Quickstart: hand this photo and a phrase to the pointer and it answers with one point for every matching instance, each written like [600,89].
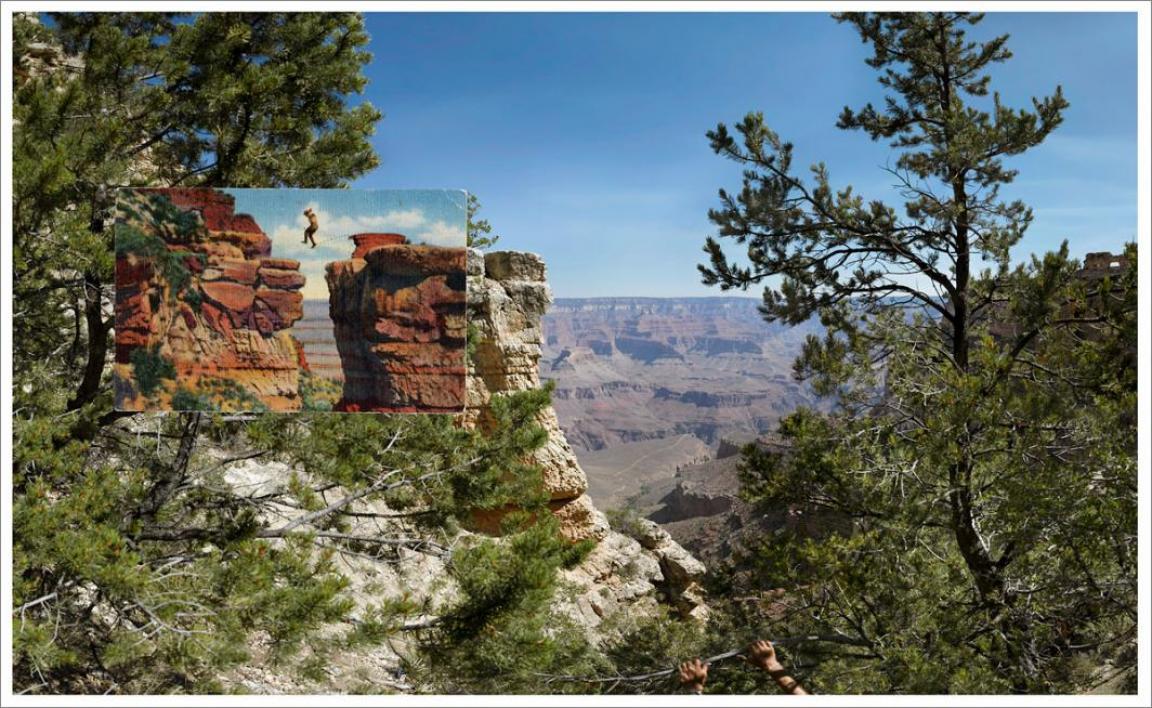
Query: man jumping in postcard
[313,225]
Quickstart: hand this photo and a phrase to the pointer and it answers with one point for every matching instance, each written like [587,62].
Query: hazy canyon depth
[647,385]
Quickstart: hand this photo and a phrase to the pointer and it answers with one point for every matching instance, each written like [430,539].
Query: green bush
[187,400]
[194,299]
[132,241]
[318,393]
[150,367]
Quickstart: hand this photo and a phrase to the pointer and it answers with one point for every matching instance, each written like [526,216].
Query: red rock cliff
[399,320]
[222,323]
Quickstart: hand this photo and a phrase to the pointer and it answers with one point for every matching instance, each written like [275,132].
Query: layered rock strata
[399,319]
[366,242]
[199,289]
[508,294]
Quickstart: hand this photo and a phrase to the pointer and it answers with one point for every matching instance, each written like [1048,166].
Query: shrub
[150,367]
[187,400]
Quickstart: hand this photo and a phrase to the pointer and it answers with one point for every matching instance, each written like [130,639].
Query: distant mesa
[639,369]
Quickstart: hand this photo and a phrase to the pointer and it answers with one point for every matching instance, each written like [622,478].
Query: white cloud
[403,219]
[441,233]
[338,228]
[333,244]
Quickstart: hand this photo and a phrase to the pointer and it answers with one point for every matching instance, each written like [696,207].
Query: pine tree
[972,493]
[479,230]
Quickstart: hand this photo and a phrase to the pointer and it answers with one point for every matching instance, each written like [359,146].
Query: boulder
[254,245]
[338,270]
[283,279]
[288,305]
[217,249]
[216,318]
[579,519]
[233,297]
[281,263]
[265,319]
[514,265]
[420,261]
[236,270]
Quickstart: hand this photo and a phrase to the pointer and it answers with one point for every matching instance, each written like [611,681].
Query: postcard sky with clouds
[433,217]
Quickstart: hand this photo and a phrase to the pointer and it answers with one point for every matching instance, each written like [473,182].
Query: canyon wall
[630,369]
[507,296]
[624,578]
[197,289]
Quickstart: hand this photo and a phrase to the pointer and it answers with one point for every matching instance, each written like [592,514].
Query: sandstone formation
[508,294]
[199,288]
[367,241]
[399,319]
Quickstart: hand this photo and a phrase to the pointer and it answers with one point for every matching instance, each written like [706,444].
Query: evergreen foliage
[968,507]
[479,230]
[149,367]
[967,511]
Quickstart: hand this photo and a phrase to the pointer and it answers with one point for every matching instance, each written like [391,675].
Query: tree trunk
[97,342]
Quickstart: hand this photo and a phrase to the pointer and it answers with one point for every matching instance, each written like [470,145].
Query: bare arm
[763,654]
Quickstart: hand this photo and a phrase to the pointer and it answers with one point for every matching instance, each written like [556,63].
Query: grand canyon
[649,386]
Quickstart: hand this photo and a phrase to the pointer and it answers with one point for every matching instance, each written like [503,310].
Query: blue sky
[583,134]
[432,216]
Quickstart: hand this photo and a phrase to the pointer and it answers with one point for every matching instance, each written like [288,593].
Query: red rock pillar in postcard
[399,316]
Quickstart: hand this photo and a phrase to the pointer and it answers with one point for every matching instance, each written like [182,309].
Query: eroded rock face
[399,319]
[624,578]
[682,572]
[223,325]
[507,296]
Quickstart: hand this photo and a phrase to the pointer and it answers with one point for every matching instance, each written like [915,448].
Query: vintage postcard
[290,300]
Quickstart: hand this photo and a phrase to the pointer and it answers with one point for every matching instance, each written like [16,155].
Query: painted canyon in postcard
[290,299]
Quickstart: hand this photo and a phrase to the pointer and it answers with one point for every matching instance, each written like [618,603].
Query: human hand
[693,674]
[763,655]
